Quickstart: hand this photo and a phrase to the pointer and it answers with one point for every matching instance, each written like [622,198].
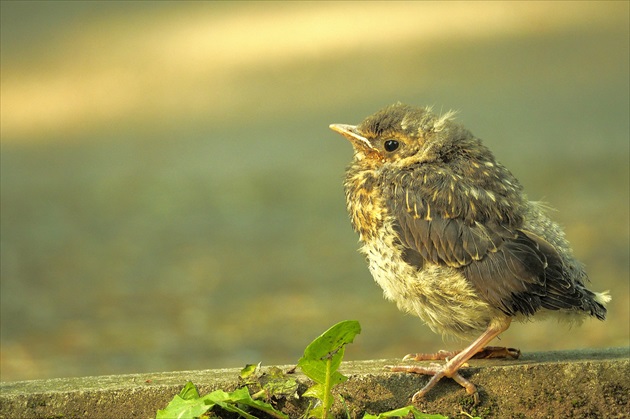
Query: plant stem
[327,389]
[258,395]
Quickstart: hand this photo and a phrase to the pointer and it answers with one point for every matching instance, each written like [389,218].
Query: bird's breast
[440,295]
[365,203]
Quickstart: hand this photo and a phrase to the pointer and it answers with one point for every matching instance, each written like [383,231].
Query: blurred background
[172,196]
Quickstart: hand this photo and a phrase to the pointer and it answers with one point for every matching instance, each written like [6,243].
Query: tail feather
[598,301]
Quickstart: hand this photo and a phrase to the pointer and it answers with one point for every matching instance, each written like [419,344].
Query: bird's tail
[596,303]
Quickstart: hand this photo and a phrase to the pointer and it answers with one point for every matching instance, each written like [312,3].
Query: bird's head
[400,134]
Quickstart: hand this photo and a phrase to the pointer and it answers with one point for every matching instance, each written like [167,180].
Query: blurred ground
[171,194]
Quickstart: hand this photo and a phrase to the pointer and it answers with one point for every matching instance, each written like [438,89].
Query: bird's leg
[450,369]
[486,352]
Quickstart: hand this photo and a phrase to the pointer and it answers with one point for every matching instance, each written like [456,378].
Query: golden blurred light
[199,61]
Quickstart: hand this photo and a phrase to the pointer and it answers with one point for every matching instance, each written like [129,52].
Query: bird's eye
[391,145]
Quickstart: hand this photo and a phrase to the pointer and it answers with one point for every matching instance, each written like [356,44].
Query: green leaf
[317,412]
[317,369]
[217,397]
[242,396]
[185,405]
[276,383]
[403,412]
[183,409]
[328,346]
[315,391]
[321,360]
[249,370]
[194,406]
[189,392]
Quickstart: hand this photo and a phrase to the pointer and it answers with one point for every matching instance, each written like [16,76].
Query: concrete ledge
[568,384]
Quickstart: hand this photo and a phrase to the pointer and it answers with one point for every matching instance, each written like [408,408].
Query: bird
[450,236]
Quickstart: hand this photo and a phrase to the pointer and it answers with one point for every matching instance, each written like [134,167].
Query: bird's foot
[487,352]
[437,372]
[451,367]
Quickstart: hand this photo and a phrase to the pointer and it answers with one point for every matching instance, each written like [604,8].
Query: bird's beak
[351,133]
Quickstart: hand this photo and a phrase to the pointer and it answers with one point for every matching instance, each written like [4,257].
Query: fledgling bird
[450,236]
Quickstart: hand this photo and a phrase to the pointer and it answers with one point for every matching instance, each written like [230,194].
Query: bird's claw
[468,386]
[437,372]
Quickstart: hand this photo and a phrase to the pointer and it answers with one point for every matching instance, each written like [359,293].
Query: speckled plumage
[448,232]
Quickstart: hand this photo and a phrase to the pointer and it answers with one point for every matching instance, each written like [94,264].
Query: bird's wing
[513,270]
